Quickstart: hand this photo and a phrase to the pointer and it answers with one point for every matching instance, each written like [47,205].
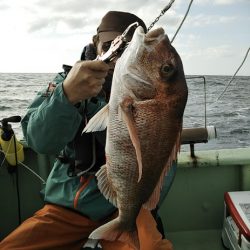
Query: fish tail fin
[112,231]
[130,238]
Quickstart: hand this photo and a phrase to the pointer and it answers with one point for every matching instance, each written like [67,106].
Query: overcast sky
[41,35]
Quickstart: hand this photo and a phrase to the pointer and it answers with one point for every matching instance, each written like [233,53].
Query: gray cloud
[221,2]
[229,2]
[39,25]
[4,6]
[85,16]
[202,19]
[74,6]
[82,15]
[52,22]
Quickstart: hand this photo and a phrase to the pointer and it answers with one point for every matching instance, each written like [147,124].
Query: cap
[114,23]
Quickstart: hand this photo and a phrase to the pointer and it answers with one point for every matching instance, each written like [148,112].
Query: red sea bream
[144,123]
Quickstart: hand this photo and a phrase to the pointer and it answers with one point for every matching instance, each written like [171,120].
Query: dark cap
[114,23]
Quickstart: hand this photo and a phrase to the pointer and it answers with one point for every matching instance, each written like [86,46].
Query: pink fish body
[144,123]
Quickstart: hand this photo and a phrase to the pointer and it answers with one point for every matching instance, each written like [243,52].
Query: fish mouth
[154,35]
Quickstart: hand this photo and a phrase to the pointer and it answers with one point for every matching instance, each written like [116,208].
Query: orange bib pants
[57,228]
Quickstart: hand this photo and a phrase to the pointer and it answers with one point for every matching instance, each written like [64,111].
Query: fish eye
[167,70]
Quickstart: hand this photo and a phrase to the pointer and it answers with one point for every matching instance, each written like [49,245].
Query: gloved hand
[85,80]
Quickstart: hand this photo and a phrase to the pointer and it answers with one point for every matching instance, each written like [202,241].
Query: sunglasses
[106,46]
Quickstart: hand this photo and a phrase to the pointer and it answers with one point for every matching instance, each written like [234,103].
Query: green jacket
[49,126]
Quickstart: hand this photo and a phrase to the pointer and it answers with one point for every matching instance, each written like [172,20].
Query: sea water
[230,115]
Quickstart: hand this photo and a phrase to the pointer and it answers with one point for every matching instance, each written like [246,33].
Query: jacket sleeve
[51,122]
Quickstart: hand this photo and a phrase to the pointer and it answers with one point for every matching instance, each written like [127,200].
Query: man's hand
[85,80]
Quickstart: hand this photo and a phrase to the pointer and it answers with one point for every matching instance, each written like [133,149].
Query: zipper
[84,183]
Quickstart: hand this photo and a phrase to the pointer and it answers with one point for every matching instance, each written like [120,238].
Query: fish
[144,118]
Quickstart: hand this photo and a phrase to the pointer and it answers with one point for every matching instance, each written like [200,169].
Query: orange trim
[85,182]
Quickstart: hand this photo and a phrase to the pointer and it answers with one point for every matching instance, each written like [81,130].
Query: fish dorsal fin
[155,197]
[105,186]
[99,121]
[127,115]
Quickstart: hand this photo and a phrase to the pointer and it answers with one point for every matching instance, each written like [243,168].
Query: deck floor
[196,240]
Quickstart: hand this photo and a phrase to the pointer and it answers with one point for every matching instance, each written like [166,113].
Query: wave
[3,108]
[230,115]
[240,131]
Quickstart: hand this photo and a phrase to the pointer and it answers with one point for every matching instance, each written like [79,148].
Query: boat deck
[202,240]
[192,214]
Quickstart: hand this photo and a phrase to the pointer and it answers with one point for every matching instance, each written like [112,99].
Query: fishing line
[33,172]
[17,183]
[17,176]
[4,158]
[232,78]
[163,12]
[1,151]
[29,169]
[189,6]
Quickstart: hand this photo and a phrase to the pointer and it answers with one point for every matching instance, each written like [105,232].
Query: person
[74,206]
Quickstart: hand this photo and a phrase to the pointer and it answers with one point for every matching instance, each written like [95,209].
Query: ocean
[230,115]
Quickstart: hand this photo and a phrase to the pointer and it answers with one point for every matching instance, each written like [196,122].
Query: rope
[33,172]
[4,154]
[232,78]
[189,6]
[29,169]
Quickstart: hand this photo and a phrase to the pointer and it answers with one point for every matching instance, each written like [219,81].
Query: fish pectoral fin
[105,185]
[127,115]
[99,121]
